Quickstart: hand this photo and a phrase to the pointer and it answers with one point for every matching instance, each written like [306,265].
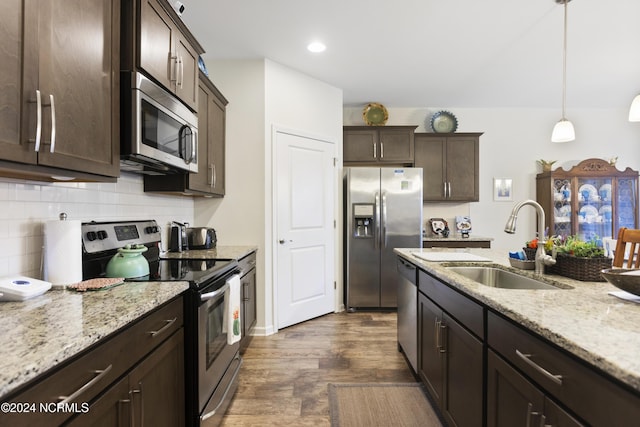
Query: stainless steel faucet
[542,258]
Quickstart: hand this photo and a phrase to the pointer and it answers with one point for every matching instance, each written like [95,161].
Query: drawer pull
[88,385]
[167,325]
[527,359]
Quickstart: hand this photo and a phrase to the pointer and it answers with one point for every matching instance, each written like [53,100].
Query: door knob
[283,241]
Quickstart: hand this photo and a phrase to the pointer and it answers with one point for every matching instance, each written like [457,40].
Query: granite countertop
[39,333]
[219,252]
[587,322]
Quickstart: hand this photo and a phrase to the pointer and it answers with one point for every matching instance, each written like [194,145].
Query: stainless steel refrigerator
[382,210]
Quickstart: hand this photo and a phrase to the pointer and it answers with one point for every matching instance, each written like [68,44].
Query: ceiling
[427,53]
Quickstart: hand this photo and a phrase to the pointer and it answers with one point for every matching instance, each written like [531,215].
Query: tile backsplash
[26,205]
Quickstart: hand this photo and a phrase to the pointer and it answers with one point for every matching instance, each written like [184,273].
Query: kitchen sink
[498,278]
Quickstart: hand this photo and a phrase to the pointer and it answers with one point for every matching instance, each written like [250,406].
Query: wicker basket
[579,268]
[530,253]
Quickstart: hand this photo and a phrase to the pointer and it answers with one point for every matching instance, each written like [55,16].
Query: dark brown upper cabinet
[367,145]
[156,41]
[450,164]
[59,80]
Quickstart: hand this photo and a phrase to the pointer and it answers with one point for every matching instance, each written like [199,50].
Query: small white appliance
[20,288]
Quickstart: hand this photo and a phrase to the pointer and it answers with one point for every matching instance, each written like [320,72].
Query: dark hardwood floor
[284,378]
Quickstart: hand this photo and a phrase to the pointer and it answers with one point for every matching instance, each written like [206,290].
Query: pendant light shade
[563,131]
[634,111]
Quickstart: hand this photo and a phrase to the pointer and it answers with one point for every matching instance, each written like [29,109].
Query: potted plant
[579,259]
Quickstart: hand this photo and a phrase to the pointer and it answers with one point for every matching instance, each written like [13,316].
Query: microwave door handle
[182,146]
[194,145]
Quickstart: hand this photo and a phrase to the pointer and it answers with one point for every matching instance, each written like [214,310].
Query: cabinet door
[112,409]
[396,145]
[360,146]
[511,399]
[187,70]
[201,181]
[79,71]
[16,20]
[462,168]
[248,302]
[463,375]
[217,143]
[430,358]
[430,155]
[156,44]
[157,385]
[557,417]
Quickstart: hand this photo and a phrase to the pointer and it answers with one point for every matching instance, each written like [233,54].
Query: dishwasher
[408,311]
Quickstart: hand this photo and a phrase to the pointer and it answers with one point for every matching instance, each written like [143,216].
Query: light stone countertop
[219,252]
[585,321]
[39,333]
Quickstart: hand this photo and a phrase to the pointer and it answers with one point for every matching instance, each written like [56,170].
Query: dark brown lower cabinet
[512,400]
[450,362]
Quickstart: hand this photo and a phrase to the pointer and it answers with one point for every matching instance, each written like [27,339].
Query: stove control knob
[102,234]
[151,229]
[91,236]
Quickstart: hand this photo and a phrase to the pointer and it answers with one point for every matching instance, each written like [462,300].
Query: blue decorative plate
[444,122]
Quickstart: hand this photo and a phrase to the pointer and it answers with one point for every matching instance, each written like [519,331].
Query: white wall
[263,95]
[26,205]
[513,140]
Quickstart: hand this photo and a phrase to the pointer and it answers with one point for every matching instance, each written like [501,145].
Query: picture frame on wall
[502,189]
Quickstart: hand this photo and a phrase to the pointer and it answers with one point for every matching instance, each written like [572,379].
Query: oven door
[215,355]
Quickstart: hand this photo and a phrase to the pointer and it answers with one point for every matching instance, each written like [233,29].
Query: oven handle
[211,295]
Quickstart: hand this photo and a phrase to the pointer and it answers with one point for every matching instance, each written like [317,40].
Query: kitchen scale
[20,288]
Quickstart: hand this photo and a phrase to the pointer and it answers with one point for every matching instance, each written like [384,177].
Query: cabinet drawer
[598,400]
[81,379]
[467,312]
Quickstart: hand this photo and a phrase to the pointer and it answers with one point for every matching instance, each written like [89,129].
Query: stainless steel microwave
[159,134]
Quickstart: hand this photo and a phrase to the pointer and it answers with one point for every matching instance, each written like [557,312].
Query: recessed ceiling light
[316,47]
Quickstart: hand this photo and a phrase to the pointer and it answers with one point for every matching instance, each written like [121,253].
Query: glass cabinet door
[562,212]
[626,203]
[594,208]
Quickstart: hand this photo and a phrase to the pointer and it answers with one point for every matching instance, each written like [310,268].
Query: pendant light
[634,111]
[563,130]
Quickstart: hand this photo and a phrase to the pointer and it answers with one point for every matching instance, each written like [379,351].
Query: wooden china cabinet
[591,200]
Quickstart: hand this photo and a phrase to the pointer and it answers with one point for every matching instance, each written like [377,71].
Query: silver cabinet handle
[210,177]
[53,125]
[121,404]
[38,120]
[134,392]
[174,70]
[443,330]
[436,332]
[381,150]
[527,359]
[215,175]
[88,385]
[167,325]
[444,189]
[449,187]
[375,151]
[180,71]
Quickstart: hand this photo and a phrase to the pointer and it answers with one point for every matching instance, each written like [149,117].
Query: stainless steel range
[211,364]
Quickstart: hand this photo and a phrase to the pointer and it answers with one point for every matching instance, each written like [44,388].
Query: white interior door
[304,284]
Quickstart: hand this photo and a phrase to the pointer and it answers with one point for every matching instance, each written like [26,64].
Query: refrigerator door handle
[383,221]
[376,237]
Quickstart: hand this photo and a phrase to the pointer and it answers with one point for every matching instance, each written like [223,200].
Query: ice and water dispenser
[363,220]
